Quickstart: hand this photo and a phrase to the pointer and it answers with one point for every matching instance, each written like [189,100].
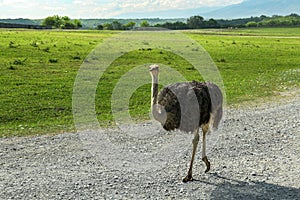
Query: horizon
[104,9]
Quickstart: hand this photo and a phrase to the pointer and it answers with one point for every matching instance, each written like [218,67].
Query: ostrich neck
[157,110]
[154,90]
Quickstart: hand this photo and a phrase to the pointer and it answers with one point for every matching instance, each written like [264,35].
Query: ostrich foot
[207,163]
[188,178]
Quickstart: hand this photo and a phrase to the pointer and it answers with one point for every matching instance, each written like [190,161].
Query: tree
[211,23]
[66,18]
[180,25]
[53,21]
[251,24]
[100,27]
[68,25]
[174,26]
[117,25]
[262,17]
[196,22]
[130,25]
[77,23]
[107,26]
[294,15]
[64,22]
[144,24]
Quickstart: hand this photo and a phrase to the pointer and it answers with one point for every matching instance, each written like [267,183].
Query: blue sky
[35,9]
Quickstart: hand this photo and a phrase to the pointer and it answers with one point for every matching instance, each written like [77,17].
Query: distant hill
[244,9]
[22,21]
[250,8]
[168,14]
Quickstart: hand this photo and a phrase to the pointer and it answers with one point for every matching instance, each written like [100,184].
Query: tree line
[198,22]
[275,21]
[194,22]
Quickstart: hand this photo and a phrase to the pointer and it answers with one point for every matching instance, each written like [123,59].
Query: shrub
[76,57]
[47,49]
[53,60]
[251,24]
[12,45]
[19,62]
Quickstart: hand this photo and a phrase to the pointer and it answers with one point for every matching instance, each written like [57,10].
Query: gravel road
[255,156]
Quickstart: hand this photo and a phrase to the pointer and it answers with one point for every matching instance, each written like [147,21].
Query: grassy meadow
[38,70]
[277,32]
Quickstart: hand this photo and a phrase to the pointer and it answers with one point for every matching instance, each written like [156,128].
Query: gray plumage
[188,105]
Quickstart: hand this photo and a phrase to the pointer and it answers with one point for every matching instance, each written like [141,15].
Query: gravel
[256,155]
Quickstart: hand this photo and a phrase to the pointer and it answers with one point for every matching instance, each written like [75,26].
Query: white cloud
[96,8]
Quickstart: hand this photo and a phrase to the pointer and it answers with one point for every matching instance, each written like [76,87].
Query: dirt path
[256,156]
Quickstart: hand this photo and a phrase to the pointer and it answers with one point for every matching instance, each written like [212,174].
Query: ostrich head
[154,69]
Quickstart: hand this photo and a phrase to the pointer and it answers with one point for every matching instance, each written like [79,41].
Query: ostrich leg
[204,157]
[189,177]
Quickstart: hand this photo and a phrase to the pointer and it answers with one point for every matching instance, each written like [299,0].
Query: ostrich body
[187,106]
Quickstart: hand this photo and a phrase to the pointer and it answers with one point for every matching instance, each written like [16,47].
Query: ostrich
[187,106]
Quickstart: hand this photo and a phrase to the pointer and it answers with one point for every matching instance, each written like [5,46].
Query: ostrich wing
[187,105]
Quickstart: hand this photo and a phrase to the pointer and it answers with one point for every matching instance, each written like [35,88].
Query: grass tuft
[53,60]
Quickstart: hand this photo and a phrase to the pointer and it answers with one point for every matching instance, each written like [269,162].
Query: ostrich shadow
[236,189]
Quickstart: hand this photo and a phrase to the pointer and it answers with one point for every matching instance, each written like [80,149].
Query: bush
[144,24]
[19,62]
[53,60]
[12,45]
[251,24]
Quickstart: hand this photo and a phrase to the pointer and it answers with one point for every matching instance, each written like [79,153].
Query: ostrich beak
[153,67]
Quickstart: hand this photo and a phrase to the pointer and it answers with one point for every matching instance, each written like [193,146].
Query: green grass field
[38,70]
[289,32]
